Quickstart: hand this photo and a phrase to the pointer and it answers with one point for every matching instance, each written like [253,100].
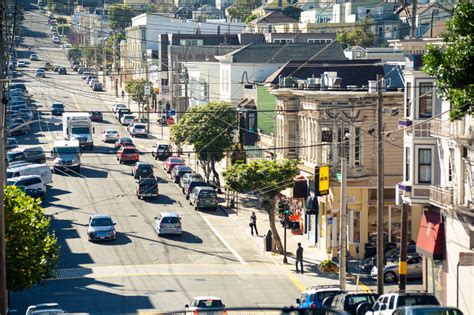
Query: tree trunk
[271,215]
[217,180]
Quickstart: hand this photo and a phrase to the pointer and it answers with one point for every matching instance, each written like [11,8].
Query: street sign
[339,177]
[171,112]
[329,220]
[147,90]
[466,259]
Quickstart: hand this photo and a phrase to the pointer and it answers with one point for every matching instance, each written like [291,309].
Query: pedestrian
[123,94]
[253,223]
[299,258]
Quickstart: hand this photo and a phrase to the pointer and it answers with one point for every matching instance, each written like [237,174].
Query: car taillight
[195,312]
[225,312]
[312,305]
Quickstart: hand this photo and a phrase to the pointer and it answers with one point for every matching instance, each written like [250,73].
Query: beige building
[311,120]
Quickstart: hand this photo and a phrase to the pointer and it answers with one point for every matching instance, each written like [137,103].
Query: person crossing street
[299,258]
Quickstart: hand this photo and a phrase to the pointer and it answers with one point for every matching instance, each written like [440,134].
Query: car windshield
[163,147]
[408,300]
[207,194]
[322,295]
[80,130]
[170,220]
[130,151]
[176,161]
[11,182]
[66,150]
[101,222]
[356,299]
[96,113]
[16,156]
[125,140]
[10,174]
[128,117]
[58,106]
[145,168]
[112,132]
[139,127]
[434,311]
[184,169]
[209,303]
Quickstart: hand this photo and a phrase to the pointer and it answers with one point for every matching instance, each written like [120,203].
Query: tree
[359,35]
[210,130]
[243,8]
[451,63]
[136,89]
[266,178]
[120,16]
[31,249]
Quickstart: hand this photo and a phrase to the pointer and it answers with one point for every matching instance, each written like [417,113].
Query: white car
[207,304]
[34,57]
[127,119]
[110,135]
[45,309]
[56,40]
[115,107]
[168,223]
[21,64]
[40,73]
[33,182]
[92,82]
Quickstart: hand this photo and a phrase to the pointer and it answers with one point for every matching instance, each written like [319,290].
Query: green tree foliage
[120,16]
[250,18]
[210,130]
[359,35]
[243,8]
[115,39]
[61,6]
[74,53]
[64,29]
[452,62]
[136,89]
[32,250]
[266,178]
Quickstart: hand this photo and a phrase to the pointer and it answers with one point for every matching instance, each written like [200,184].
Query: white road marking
[219,236]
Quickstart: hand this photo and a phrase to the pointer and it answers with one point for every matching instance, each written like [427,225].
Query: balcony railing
[441,196]
[422,130]
[451,129]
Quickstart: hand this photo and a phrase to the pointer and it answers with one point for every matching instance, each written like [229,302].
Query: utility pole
[380,187]
[3,257]
[343,213]
[147,83]
[402,265]
[104,53]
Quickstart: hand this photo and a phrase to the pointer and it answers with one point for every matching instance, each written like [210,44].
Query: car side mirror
[298,301]
[186,306]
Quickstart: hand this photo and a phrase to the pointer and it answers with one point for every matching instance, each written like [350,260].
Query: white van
[41,170]
[32,182]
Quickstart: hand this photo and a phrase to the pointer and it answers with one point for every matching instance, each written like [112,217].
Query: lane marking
[222,239]
[297,282]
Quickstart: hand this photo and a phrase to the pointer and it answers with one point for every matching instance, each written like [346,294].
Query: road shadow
[27,32]
[219,212]
[186,237]
[92,173]
[120,239]
[161,200]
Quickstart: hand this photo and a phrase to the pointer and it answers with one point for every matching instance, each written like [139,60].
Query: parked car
[41,170]
[137,129]
[387,303]
[188,188]
[185,178]
[76,67]
[142,169]
[47,66]
[147,187]
[116,106]
[171,162]
[56,68]
[96,116]
[127,154]
[178,171]
[34,57]
[18,128]
[57,109]
[11,144]
[81,70]
[348,303]
[45,309]
[162,152]
[127,119]
[62,70]
[20,64]
[97,86]
[314,296]
[110,135]
[391,255]
[427,310]
[29,182]
[168,223]
[124,141]
[391,272]
[85,74]
[203,197]
[40,73]
[207,305]
[56,40]
[101,228]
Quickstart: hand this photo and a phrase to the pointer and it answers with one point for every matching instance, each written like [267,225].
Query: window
[358,54]
[357,141]
[424,166]
[408,99]
[191,42]
[283,41]
[450,165]
[425,104]
[341,138]
[380,32]
[143,35]
[407,163]
[384,303]
[319,41]
[391,304]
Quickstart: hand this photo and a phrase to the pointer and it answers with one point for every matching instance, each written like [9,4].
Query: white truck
[78,126]
[66,156]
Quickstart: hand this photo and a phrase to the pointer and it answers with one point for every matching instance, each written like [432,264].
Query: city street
[139,270]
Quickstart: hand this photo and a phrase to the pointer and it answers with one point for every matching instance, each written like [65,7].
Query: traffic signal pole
[285,259]
[343,234]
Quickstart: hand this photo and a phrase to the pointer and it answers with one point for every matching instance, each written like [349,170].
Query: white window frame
[417,159]
[282,40]
[417,94]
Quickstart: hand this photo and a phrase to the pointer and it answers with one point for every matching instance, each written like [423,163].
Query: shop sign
[321,174]
[329,220]
[466,259]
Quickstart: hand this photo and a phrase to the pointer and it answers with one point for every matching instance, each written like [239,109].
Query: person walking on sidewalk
[123,94]
[253,223]
[299,258]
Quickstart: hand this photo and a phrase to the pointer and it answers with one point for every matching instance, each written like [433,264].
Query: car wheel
[390,277]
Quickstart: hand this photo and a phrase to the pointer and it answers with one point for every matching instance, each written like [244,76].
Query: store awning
[431,242]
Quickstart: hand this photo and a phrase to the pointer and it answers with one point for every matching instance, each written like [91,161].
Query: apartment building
[317,105]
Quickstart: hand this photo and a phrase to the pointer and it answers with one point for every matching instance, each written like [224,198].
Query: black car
[178,171]
[57,109]
[147,187]
[390,256]
[142,170]
[121,112]
[348,303]
[162,152]
[62,70]
[96,116]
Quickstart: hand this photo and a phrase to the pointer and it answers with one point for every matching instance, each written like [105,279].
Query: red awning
[431,242]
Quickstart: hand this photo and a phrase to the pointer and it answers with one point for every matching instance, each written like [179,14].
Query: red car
[171,162]
[127,154]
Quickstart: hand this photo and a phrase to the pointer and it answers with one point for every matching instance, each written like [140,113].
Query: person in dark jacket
[253,223]
[299,258]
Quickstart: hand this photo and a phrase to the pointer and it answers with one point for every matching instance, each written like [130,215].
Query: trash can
[267,238]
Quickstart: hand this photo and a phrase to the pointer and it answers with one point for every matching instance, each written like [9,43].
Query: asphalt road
[139,270]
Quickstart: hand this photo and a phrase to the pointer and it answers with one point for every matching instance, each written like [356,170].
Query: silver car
[391,272]
[101,227]
[186,178]
[168,223]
